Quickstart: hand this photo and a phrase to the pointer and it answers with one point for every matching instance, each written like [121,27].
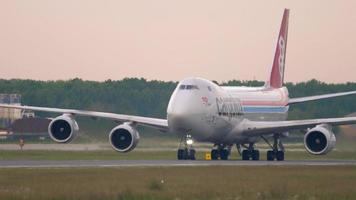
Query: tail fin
[277,71]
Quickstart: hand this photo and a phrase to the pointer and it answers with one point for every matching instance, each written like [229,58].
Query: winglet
[277,71]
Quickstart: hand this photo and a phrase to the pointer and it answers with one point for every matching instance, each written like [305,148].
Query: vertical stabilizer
[277,72]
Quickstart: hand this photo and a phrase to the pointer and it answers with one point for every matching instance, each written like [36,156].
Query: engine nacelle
[63,129]
[124,138]
[319,140]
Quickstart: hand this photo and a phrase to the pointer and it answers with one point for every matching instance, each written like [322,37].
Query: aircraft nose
[186,104]
[182,109]
[182,113]
[179,123]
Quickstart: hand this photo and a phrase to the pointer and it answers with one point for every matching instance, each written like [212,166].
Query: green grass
[272,182]
[84,155]
[150,155]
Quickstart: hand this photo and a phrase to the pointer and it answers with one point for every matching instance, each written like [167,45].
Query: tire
[185,154]
[214,154]
[224,154]
[255,155]
[192,154]
[270,155]
[280,155]
[180,154]
[245,155]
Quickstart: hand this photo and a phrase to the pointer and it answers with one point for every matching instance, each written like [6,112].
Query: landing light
[190,141]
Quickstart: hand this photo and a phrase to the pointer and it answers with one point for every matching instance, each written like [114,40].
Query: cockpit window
[192,87]
[188,87]
[182,87]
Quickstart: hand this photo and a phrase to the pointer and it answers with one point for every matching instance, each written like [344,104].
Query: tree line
[136,96]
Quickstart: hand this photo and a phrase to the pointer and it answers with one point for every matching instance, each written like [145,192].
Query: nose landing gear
[185,149]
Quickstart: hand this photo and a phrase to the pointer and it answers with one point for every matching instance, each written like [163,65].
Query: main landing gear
[186,150]
[220,151]
[277,152]
[250,153]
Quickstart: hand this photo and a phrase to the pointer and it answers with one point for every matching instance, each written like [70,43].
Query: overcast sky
[170,40]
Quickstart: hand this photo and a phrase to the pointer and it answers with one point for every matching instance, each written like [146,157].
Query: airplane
[225,116]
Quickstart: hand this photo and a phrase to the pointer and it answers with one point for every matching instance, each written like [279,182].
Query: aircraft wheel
[280,155]
[270,155]
[255,155]
[214,154]
[224,154]
[180,154]
[245,155]
[192,154]
[186,154]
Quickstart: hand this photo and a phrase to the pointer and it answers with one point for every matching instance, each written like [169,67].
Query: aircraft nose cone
[179,123]
[182,111]
[182,115]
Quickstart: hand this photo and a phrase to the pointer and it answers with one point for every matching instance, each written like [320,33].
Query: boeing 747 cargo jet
[224,116]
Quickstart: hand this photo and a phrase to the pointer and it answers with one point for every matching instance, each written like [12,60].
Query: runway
[164,163]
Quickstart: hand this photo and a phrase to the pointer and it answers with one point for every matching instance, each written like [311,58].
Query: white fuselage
[210,113]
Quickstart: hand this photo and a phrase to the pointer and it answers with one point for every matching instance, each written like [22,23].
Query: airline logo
[205,101]
[281,59]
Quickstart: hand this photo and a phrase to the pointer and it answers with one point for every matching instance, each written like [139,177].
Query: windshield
[188,87]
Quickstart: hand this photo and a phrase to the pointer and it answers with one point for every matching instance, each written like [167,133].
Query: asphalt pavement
[164,163]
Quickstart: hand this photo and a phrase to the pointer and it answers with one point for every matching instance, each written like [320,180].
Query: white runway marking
[164,163]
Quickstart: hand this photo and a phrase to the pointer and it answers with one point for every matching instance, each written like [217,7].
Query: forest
[150,98]
[138,96]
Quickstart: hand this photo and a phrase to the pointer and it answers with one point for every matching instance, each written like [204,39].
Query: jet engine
[63,129]
[124,138]
[319,140]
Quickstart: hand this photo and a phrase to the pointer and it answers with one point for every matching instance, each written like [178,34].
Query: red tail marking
[277,72]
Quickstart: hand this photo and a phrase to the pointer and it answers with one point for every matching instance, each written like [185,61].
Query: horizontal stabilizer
[318,97]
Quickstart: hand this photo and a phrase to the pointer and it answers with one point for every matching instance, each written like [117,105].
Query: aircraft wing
[160,124]
[317,97]
[268,127]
